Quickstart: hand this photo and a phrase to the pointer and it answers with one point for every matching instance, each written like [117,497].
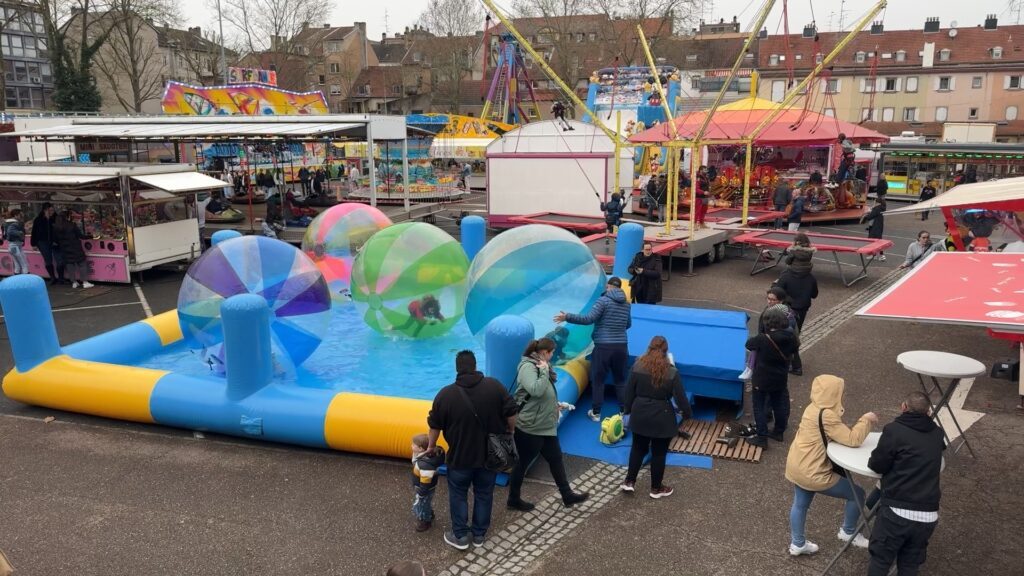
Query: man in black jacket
[44,240]
[802,287]
[909,458]
[466,412]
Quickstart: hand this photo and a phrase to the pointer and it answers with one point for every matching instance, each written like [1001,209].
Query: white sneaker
[858,539]
[592,416]
[808,548]
[881,258]
[746,374]
[87,284]
[75,284]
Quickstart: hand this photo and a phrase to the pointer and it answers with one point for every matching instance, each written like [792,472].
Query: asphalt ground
[83,495]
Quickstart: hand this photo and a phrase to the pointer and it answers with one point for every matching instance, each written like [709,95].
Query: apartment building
[28,77]
[331,58]
[908,80]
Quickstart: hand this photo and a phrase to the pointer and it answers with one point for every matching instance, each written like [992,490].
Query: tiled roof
[703,54]
[970,46]
[381,79]
[312,36]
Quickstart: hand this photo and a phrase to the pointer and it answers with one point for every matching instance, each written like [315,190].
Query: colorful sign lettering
[242,99]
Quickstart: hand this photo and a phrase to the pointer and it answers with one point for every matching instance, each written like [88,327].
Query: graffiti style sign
[247,100]
[251,75]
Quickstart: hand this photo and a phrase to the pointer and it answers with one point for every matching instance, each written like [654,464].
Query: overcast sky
[395,15]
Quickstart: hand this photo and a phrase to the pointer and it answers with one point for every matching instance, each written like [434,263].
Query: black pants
[46,251]
[658,448]
[896,539]
[796,363]
[529,446]
[608,357]
[778,402]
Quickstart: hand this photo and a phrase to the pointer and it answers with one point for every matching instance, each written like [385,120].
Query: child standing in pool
[424,481]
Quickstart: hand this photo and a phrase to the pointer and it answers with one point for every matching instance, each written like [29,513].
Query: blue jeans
[459,482]
[17,250]
[423,504]
[802,501]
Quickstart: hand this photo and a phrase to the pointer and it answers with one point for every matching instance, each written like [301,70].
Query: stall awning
[195,130]
[1005,194]
[181,181]
[50,179]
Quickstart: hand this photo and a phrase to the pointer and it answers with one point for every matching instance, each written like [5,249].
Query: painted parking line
[143,301]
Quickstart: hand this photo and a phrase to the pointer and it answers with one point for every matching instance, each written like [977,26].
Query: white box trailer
[540,167]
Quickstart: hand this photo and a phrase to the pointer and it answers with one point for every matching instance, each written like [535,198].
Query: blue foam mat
[579,436]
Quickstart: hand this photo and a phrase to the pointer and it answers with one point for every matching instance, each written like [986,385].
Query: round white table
[936,365]
[855,461]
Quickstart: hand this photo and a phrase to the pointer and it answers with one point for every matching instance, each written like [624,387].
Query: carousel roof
[735,121]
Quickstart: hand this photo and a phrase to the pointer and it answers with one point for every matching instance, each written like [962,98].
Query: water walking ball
[410,279]
[334,238]
[293,286]
[535,271]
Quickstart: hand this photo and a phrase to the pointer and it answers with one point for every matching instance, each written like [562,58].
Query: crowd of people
[57,238]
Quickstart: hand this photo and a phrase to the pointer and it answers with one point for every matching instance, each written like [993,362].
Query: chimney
[991,22]
[876,28]
[197,31]
[383,37]
[363,58]
[733,19]
[931,24]
[809,31]
[763,33]
[326,25]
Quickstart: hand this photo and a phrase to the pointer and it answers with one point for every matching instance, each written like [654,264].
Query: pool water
[355,358]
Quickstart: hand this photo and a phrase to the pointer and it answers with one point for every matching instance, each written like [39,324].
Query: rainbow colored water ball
[293,286]
[410,279]
[535,271]
[334,238]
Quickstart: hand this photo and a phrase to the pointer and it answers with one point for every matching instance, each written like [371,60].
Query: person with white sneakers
[810,470]
[69,237]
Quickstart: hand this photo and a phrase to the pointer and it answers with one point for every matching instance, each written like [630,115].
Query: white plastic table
[942,365]
[854,461]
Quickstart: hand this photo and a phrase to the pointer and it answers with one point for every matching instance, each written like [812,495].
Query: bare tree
[132,62]
[200,57]
[452,45]
[659,18]
[73,49]
[272,28]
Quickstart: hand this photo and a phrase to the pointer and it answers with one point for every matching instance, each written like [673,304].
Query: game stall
[136,216]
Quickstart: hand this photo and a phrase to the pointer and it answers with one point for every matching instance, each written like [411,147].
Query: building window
[912,84]
[830,112]
[335,89]
[886,55]
[945,84]
[592,36]
[910,114]
[773,60]
[941,113]
[798,57]
[335,68]
[859,57]
[691,57]
[531,111]
[865,113]
[321,79]
[890,84]
[944,54]
[579,36]
[1011,112]
[417,57]
[1012,82]
[888,114]
[901,55]
[832,86]
[396,89]
[867,85]
[817,58]
[972,114]
[997,53]
[976,82]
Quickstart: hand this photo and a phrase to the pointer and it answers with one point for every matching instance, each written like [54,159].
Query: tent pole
[405,172]
[373,167]
[746,183]
[618,150]
[694,165]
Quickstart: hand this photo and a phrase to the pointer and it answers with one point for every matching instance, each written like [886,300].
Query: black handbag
[501,447]
[836,468]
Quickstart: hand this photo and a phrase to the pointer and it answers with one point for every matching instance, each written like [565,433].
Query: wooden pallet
[703,434]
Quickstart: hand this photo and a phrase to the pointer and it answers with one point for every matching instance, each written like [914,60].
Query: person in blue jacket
[610,316]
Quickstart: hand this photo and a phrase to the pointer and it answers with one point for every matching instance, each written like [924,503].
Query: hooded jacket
[537,399]
[453,416]
[807,465]
[801,256]
[14,231]
[909,458]
[610,317]
[800,285]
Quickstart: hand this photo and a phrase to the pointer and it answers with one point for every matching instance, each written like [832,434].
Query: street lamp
[223,58]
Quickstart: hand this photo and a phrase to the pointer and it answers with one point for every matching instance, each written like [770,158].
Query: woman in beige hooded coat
[809,468]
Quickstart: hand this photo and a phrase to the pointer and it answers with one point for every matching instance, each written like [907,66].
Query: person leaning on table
[810,470]
[909,458]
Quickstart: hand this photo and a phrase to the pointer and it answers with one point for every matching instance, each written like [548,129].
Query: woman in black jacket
[651,386]
[69,237]
[877,218]
[645,285]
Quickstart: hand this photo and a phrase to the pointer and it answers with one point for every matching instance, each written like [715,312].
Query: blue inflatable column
[630,240]
[246,319]
[505,338]
[29,321]
[474,231]
[222,235]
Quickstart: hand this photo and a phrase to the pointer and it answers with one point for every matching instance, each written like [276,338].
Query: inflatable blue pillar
[246,319]
[29,321]
[222,235]
[474,231]
[505,338]
[630,240]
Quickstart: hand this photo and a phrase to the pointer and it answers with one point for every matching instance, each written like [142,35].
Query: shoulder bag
[501,447]
[836,468]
